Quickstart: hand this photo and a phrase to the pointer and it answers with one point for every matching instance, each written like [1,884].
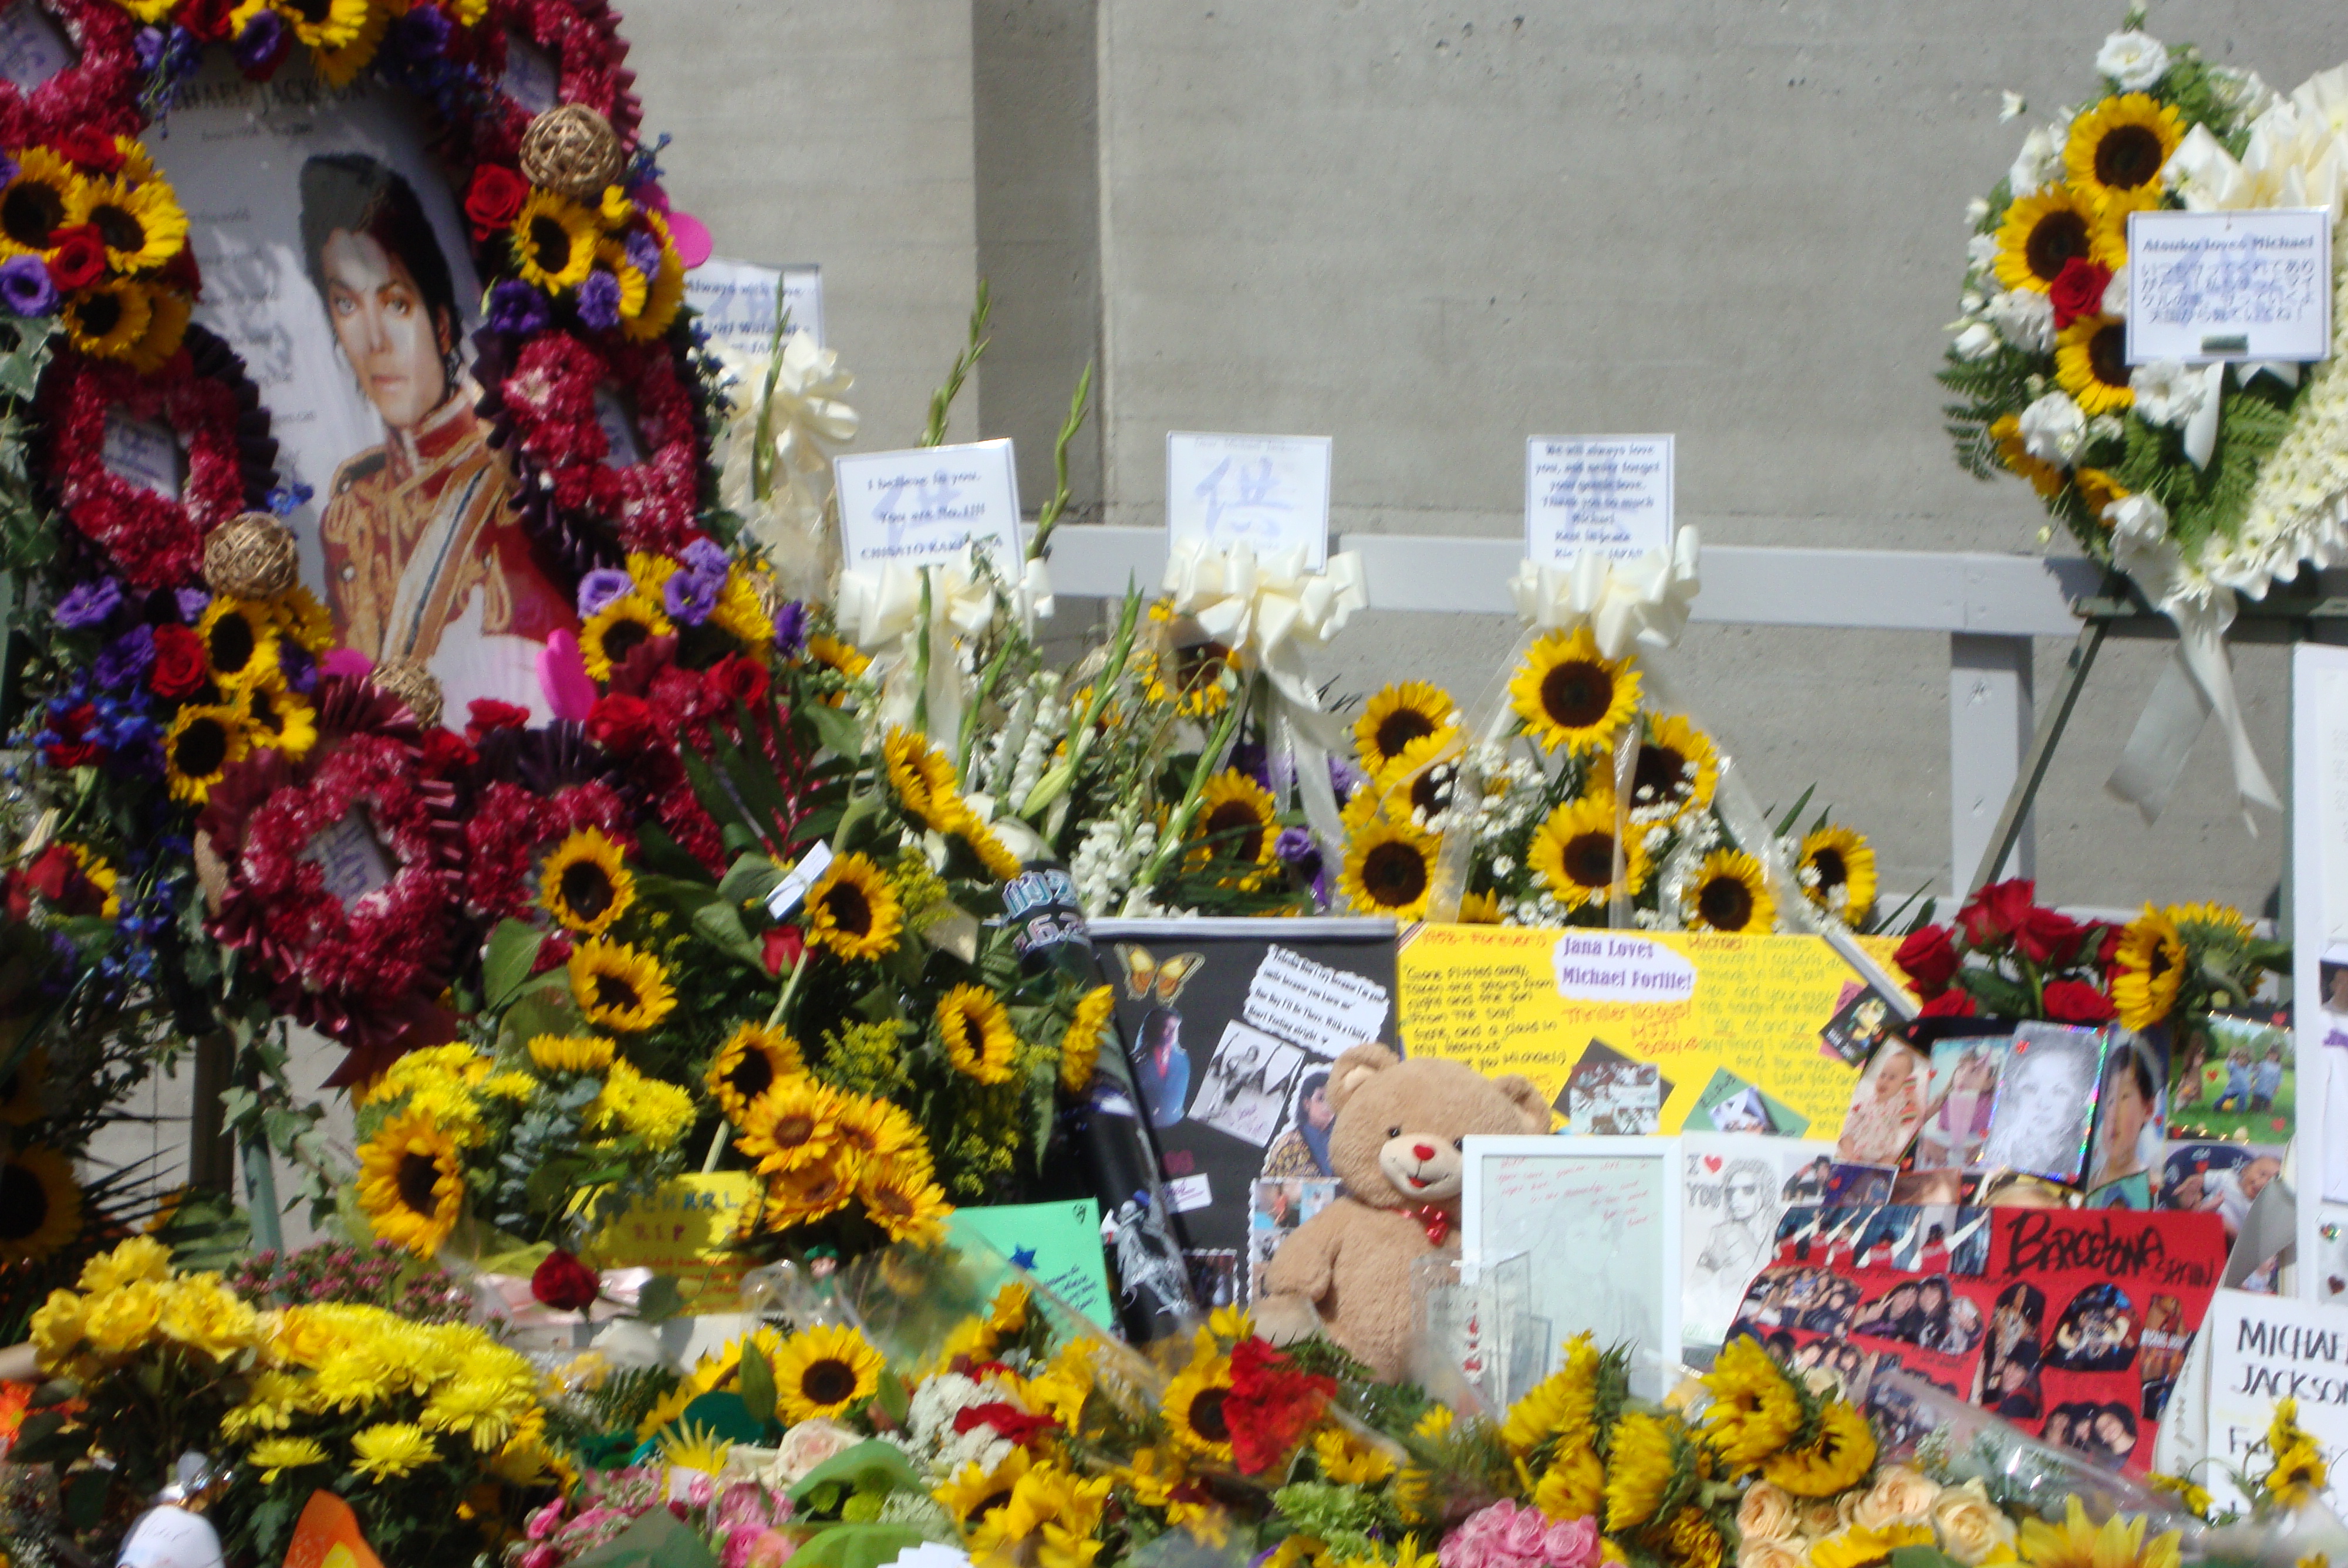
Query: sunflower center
[586,888]
[232,644]
[1659,775]
[1394,874]
[263,711]
[2054,239]
[1576,695]
[1830,867]
[623,638]
[830,1381]
[1725,904]
[99,315]
[549,245]
[2161,963]
[1238,819]
[201,748]
[753,1076]
[1207,1415]
[2128,156]
[615,994]
[30,213]
[1589,860]
[891,1201]
[419,1174]
[1431,792]
[314,11]
[790,1131]
[24,1203]
[850,910]
[1401,727]
[121,230]
[989,1503]
[2108,354]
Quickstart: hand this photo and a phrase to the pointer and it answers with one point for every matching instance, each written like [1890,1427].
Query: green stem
[1055,782]
[1209,758]
[941,401]
[1050,515]
[921,662]
[762,477]
[987,682]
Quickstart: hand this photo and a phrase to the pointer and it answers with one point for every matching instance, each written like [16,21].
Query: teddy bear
[1395,1143]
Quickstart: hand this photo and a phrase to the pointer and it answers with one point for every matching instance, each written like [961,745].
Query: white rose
[2133,60]
[1752,1553]
[808,1445]
[2052,429]
[1901,1495]
[2166,393]
[1978,340]
[2137,521]
[2040,160]
[1971,1527]
[1766,1513]
[2025,318]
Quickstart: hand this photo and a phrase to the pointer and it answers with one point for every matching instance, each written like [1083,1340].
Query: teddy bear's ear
[1354,1068]
[1519,1087]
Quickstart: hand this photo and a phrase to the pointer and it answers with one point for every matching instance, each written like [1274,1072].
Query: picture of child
[1885,1108]
[1964,1071]
[2235,1082]
[2046,1102]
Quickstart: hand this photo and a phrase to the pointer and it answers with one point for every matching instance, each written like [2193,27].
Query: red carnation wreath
[582,39]
[549,397]
[511,827]
[99,91]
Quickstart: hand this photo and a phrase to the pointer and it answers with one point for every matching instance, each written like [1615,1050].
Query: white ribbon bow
[773,468]
[1640,603]
[881,614]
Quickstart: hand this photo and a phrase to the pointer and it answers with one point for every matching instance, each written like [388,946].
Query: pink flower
[740,1541]
[1507,1535]
[544,1521]
[771,1550]
[542,1555]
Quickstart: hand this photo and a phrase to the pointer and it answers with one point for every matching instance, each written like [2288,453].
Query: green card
[1058,1243]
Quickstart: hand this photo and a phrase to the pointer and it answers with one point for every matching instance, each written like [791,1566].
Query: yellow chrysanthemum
[692,1445]
[140,1258]
[852,911]
[106,320]
[2006,434]
[553,242]
[976,1032]
[1574,852]
[651,1108]
[2091,365]
[586,884]
[1237,825]
[793,1124]
[900,1196]
[570,1052]
[1831,1462]
[204,741]
[1675,773]
[1568,694]
[1080,1046]
[664,291]
[754,1059]
[2148,969]
[2042,231]
[36,203]
[2115,150]
[1837,871]
[2077,1543]
[1854,1547]
[1730,893]
[389,1449]
[1646,1456]
[1193,1406]
[276,718]
[619,986]
[1389,870]
[617,629]
[1404,711]
[201,1314]
[924,779]
[821,1371]
[273,1457]
[1755,1410]
[40,1204]
[141,226]
[411,1186]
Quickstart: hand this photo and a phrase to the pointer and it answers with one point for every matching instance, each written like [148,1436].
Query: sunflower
[1563,1404]
[2298,1472]
[1854,1547]
[1416,783]
[411,1187]
[619,629]
[2098,489]
[1238,825]
[977,1033]
[754,1059]
[991,852]
[1755,1410]
[1403,712]
[166,326]
[2041,232]
[902,1200]
[1574,853]
[665,288]
[821,1371]
[2078,1543]
[620,986]
[1568,693]
[277,719]
[1830,1463]
[1574,1486]
[586,886]
[2006,434]
[975,1492]
[852,911]
[1676,774]
[923,778]
[1692,1541]
[1479,909]
[297,614]
[1049,1519]
[141,226]
[204,741]
[611,259]
[34,204]
[570,1052]
[1080,1046]
[106,320]
[1194,677]
[836,656]
[1389,870]
[20,1099]
[240,639]
[794,1124]
[1837,871]
[2148,969]
[103,877]
[2091,365]
[553,242]
[1193,1408]
[1730,893]
[40,1204]
[1642,1460]
[2116,149]
[389,1449]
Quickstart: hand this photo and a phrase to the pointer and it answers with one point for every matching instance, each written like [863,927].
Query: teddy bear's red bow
[1436,1220]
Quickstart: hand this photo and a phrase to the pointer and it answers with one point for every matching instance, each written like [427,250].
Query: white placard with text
[33,48]
[2263,1348]
[923,505]
[2207,286]
[735,301]
[1270,493]
[1607,494]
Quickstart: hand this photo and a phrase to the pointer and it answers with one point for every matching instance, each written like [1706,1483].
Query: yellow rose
[57,1329]
[205,1315]
[1900,1495]
[123,1320]
[1973,1529]
[1766,1513]
[1756,1553]
[140,1258]
[1817,1518]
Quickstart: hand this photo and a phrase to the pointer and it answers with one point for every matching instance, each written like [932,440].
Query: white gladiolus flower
[2166,393]
[2039,162]
[2014,108]
[1978,340]
[1980,252]
[1975,211]
[2025,319]
[2053,428]
[2133,60]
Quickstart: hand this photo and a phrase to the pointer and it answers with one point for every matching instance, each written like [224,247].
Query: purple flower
[192,603]
[690,597]
[147,46]
[261,41]
[126,658]
[600,587]
[598,301]
[517,308]
[643,253]
[706,557]
[790,629]
[1294,846]
[7,170]
[24,284]
[421,35]
[89,604]
[300,669]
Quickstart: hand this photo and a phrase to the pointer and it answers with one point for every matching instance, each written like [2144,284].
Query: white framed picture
[1600,1219]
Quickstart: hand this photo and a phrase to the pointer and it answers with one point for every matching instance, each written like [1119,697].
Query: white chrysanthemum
[2053,427]
[2115,303]
[1980,252]
[2025,318]
[2038,164]
[2166,393]
[2014,107]
[1977,340]
[2133,60]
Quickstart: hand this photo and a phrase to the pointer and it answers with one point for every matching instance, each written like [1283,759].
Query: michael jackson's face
[385,328]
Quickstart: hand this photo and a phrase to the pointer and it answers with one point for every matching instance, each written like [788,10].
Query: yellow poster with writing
[1513,999]
[685,1231]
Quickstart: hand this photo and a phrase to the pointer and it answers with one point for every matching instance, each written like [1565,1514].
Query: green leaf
[855,1546]
[513,948]
[661,853]
[758,1381]
[1998,997]
[893,1399]
[835,729]
[86,1497]
[721,924]
[1921,1557]
[873,1466]
[660,1299]
[750,876]
[657,1540]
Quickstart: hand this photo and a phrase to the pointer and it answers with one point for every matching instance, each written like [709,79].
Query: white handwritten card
[1315,1005]
[1268,492]
[2263,1348]
[352,859]
[1610,495]
[735,301]
[143,453]
[33,48]
[533,79]
[924,504]
[2207,286]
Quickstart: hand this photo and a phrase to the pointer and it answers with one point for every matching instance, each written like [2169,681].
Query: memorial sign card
[2263,1348]
[144,453]
[922,506]
[33,48]
[1611,494]
[1270,493]
[735,301]
[2250,285]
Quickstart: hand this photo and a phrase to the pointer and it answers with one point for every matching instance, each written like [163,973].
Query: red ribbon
[1436,1220]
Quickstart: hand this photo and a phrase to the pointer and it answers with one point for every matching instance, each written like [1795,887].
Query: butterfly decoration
[1144,974]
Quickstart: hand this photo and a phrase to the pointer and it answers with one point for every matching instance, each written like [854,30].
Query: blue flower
[126,658]
[517,308]
[643,253]
[258,45]
[192,602]
[88,604]
[790,629]
[600,587]
[598,301]
[690,597]
[706,557]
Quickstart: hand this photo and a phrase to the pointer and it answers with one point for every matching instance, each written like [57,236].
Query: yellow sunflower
[923,778]
[1676,774]
[240,640]
[977,1033]
[586,884]
[106,320]
[1574,1485]
[794,1124]
[973,1493]
[103,877]
[1193,1406]
[570,1052]
[1574,850]
[167,325]
[836,656]
[141,226]
[36,204]
[2148,969]
[411,1187]
[1646,1454]
[2076,1543]
[21,1100]
[1692,1541]
[1570,694]
[1418,780]
[664,292]
[1389,870]
[40,1204]
[2116,149]
[297,614]
[901,1199]
[2041,232]
[754,1059]
[991,852]
[1195,675]
[620,986]
[1855,1547]
[2091,365]
[617,629]
[1479,909]
[1238,826]
[611,257]
[2098,489]
[276,718]
[804,1196]
[1403,712]
[851,910]
[821,1371]
[1080,1046]
[2006,434]
[204,741]
[1730,893]
[1832,1462]
[1837,871]
[878,1129]
[1755,1410]
[553,242]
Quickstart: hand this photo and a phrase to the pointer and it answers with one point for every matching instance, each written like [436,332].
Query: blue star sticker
[1024,1258]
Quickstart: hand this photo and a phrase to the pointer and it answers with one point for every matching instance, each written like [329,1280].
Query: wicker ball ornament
[412,683]
[251,556]
[572,149]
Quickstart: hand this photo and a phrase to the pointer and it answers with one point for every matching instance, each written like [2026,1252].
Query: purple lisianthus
[600,587]
[706,557]
[122,662]
[515,307]
[1294,846]
[643,253]
[146,47]
[690,597]
[89,604]
[598,301]
[192,603]
[300,669]
[24,284]
[790,629]
[262,43]
[421,35]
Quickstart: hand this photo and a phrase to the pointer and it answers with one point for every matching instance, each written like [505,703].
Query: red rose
[445,752]
[181,272]
[740,679]
[621,724]
[56,876]
[72,749]
[90,147]
[564,1284]
[1997,911]
[1929,958]
[2074,1002]
[2049,939]
[781,948]
[2109,949]
[1948,1004]
[77,256]
[2078,291]
[489,714]
[207,19]
[494,197]
[178,662]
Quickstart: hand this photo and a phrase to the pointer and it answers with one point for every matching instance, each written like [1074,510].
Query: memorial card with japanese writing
[1270,493]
